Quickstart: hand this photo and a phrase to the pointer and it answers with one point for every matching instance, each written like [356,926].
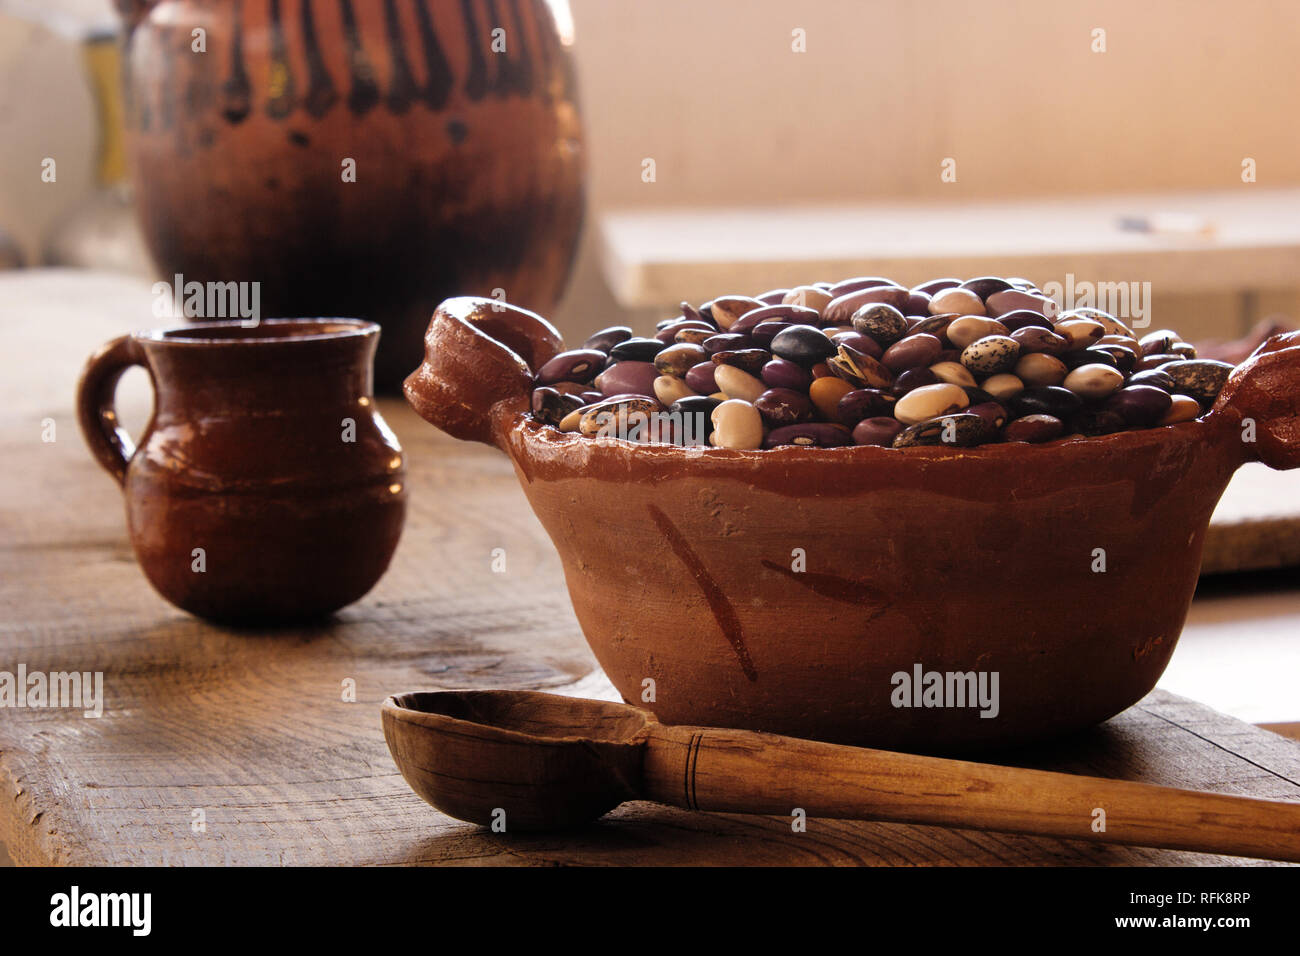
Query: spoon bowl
[555,762]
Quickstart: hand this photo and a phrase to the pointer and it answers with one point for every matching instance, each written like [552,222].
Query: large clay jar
[682,567]
[357,158]
[267,487]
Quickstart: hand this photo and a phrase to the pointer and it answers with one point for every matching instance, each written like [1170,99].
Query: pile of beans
[867,361]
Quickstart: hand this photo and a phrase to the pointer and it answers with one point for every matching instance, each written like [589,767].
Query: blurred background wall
[713,92]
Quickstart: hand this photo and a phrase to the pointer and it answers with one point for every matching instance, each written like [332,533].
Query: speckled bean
[676,360]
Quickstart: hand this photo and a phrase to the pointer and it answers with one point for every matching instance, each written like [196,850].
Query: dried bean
[859,343]
[1182,408]
[1003,386]
[913,378]
[919,350]
[637,350]
[1094,381]
[628,378]
[606,339]
[1202,379]
[736,383]
[991,355]
[1037,369]
[826,393]
[1045,400]
[959,431]
[985,286]
[961,301]
[580,365]
[669,389]
[1034,338]
[701,379]
[929,401]
[783,406]
[1033,429]
[863,403]
[803,344]
[842,308]
[876,431]
[881,322]
[809,434]
[676,360]
[737,424]
[953,373]
[967,329]
[727,309]
[747,360]
[779,373]
[1140,405]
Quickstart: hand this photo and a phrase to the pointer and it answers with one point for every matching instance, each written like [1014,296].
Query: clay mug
[266,487]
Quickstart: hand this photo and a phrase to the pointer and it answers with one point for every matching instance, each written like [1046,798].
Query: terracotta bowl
[681,562]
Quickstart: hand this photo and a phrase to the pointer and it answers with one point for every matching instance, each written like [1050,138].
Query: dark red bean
[1098,421]
[773,297]
[699,378]
[918,303]
[1153,376]
[1033,429]
[904,382]
[783,406]
[779,373]
[1023,318]
[845,286]
[985,286]
[628,378]
[858,342]
[992,413]
[1012,300]
[1140,405]
[580,365]
[931,286]
[1157,360]
[668,333]
[840,310]
[794,314]
[606,339]
[810,434]
[918,350]
[726,342]
[863,403]
[876,431]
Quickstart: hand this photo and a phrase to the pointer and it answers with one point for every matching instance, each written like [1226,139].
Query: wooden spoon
[534,761]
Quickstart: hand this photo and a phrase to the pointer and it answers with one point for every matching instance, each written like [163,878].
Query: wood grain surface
[250,727]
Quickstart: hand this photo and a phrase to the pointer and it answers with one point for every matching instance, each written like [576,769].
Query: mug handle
[96,412]
[1266,389]
[477,374]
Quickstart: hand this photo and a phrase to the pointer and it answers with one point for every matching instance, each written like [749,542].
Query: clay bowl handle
[1265,390]
[477,374]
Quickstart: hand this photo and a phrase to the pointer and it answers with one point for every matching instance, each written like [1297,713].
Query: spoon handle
[738,771]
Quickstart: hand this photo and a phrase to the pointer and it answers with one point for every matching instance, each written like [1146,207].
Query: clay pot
[467,161]
[683,569]
[266,488]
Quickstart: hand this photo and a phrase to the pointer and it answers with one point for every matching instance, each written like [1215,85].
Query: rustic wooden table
[249,734]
